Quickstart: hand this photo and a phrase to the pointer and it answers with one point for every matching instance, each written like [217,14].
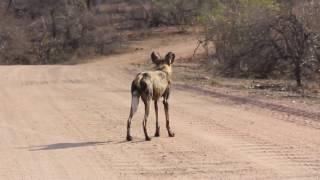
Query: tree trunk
[89,4]
[10,4]
[297,73]
[53,28]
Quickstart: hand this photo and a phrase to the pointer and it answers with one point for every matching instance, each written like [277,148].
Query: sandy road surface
[68,122]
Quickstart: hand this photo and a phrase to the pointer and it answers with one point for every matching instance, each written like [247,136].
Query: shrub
[258,39]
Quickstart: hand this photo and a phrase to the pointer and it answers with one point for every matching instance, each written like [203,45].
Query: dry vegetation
[268,39]
[54,31]
[265,39]
[270,45]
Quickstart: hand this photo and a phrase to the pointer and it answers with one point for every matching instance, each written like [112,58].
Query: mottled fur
[152,85]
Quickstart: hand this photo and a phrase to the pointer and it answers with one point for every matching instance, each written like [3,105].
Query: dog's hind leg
[133,110]
[146,101]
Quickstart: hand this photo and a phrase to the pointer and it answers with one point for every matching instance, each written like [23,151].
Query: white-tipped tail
[134,104]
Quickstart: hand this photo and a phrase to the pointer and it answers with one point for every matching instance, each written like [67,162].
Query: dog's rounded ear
[155,58]
[170,57]
[173,58]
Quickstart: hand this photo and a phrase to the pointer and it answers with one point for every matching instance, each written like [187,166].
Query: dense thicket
[252,38]
[264,38]
[54,31]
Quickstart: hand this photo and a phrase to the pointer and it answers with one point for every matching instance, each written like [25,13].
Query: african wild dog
[152,85]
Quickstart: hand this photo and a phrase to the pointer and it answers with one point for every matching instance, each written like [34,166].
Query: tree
[174,12]
[293,43]
[259,38]
[11,3]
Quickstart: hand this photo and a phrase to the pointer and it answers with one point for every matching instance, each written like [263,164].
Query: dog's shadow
[59,146]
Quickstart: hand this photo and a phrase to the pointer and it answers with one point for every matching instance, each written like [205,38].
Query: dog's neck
[165,68]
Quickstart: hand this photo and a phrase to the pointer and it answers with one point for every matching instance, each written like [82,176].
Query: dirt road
[68,122]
